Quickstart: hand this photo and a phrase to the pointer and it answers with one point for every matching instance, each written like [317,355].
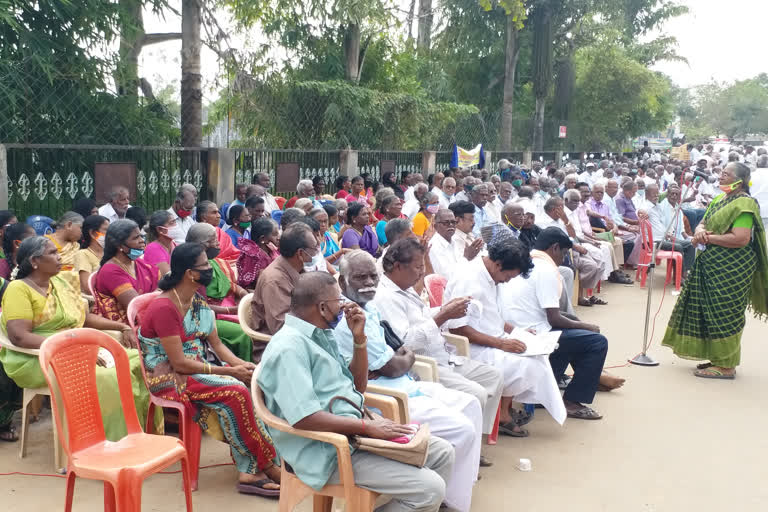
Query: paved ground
[669,442]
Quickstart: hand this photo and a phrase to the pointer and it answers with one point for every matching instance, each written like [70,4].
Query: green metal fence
[250,162]
[401,162]
[47,179]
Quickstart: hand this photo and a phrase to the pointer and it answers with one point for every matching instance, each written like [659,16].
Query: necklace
[181,304]
[34,285]
[128,268]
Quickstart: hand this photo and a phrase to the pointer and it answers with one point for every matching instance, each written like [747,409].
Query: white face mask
[317,263]
[101,241]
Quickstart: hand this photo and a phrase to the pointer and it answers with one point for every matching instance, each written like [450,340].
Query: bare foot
[246,478]
[609,382]
[273,473]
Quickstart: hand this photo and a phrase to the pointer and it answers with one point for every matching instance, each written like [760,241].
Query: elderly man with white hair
[452,415]
[304,189]
[446,193]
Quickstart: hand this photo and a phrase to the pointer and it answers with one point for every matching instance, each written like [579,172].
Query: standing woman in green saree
[730,274]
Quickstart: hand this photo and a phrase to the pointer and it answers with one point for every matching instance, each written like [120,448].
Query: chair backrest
[646,233]
[92,284]
[280,201]
[277,215]
[244,314]
[137,306]
[68,361]
[435,284]
[41,224]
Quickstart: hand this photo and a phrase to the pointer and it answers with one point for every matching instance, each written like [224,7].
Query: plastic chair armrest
[426,368]
[460,342]
[382,399]
[6,343]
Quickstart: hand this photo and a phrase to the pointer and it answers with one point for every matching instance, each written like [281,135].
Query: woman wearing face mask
[318,262]
[88,258]
[208,212]
[174,331]
[329,246]
[429,204]
[66,238]
[219,288]
[14,235]
[123,275]
[161,245]
[257,253]
[341,216]
[730,275]
[239,223]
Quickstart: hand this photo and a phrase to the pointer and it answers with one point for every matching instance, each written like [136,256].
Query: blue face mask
[135,254]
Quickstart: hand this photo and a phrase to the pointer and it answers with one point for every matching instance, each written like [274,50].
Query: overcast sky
[722,40]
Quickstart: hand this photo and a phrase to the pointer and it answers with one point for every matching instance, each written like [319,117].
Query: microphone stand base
[643,360]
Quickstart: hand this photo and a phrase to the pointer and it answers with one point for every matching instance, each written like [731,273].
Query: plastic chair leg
[191,437]
[668,278]
[493,437]
[322,503]
[149,428]
[679,273]
[128,494]
[109,498]
[26,399]
[643,275]
[70,491]
[186,480]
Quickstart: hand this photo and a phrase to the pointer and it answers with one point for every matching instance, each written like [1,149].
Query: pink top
[155,253]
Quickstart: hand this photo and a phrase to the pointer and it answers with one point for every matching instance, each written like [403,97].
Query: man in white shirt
[419,327]
[437,182]
[505,194]
[441,253]
[412,180]
[270,204]
[181,211]
[527,379]
[445,194]
[750,157]
[483,217]
[465,244]
[411,206]
[452,415]
[467,183]
[534,303]
[660,217]
[118,204]
[696,153]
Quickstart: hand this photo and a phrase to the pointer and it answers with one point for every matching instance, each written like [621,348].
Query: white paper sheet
[535,344]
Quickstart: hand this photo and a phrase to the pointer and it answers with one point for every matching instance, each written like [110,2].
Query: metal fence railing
[250,162]
[47,179]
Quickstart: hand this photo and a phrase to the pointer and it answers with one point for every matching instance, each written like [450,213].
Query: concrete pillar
[527,158]
[489,164]
[221,175]
[3,178]
[348,162]
[428,163]
[559,158]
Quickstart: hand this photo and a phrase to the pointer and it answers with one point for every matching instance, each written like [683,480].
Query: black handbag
[391,337]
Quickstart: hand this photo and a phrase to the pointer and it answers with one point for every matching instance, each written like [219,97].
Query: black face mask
[206,276]
[212,252]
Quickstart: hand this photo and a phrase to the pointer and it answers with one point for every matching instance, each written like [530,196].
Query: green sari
[221,293]
[708,318]
[65,309]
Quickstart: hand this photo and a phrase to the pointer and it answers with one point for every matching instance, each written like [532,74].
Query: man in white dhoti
[527,379]
[452,415]
[419,327]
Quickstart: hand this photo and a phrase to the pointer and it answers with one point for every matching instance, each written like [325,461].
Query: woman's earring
[35,267]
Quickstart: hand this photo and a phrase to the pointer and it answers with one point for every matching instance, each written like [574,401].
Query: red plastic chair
[68,360]
[435,284]
[189,431]
[280,201]
[645,258]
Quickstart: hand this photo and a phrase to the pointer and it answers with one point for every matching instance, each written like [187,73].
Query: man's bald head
[312,288]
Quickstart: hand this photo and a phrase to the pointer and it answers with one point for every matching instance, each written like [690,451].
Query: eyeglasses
[448,222]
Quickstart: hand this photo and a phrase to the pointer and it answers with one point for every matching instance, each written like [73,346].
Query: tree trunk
[424,37]
[131,36]
[191,80]
[409,23]
[511,54]
[352,53]
[542,68]
[564,88]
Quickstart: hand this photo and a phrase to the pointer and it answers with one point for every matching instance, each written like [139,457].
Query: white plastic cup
[524,465]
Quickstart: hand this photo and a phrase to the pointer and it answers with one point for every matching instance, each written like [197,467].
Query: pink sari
[228,250]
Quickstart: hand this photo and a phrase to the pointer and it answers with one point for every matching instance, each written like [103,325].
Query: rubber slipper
[585,302]
[711,373]
[508,429]
[520,418]
[585,413]
[703,366]
[597,300]
[257,488]
[485,462]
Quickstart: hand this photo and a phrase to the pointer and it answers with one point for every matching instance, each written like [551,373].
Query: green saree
[708,318]
[65,309]
[221,293]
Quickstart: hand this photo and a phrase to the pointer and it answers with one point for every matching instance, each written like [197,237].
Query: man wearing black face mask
[220,289]
[272,296]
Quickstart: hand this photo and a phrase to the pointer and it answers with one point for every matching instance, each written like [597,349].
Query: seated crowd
[338,288]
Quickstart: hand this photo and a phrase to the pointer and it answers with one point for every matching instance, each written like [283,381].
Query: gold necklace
[128,268]
[181,305]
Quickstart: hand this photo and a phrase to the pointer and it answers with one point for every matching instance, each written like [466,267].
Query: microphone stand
[642,359]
